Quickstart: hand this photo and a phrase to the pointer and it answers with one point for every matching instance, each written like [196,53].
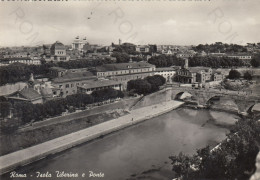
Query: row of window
[123,72]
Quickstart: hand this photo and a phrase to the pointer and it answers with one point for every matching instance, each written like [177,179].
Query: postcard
[130,89]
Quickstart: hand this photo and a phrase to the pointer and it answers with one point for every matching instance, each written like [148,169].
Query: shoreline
[26,156]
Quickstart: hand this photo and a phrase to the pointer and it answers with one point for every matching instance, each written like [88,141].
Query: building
[167,52]
[192,75]
[218,77]
[142,48]
[240,56]
[24,60]
[93,85]
[123,72]
[168,73]
[28,94]
[184,55]
[79,44]
[58,52]
[65,81]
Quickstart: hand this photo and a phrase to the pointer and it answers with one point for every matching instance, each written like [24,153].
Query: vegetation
[234,158]
[207,61]
[234,74]
[219,47]
[127,48]
[21,72]
[165,61]
[28,112]
[248,76]
[121,57]
[216,62]
[255,62]
[145,86]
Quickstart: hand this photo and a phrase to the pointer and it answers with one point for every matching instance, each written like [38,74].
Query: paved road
[10,161]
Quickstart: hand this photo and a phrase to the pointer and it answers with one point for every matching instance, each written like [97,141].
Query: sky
[174,22]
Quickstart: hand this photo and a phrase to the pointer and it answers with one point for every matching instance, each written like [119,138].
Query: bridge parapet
[243,99]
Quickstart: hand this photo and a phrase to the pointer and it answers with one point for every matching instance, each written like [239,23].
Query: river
[139,148]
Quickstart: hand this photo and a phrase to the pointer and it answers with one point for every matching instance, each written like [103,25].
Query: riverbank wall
[49,129]
[22,157]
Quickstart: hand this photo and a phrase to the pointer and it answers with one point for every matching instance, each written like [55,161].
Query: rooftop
[123,66]
[58,45]
[98,83]
[166,69]
[77,76]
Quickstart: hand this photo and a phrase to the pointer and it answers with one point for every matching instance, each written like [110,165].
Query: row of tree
[234,74]
[21,72]
[255,62]
[165,61]
[26,111]
[219,47]
[145,86]
[234,158]
[206,61]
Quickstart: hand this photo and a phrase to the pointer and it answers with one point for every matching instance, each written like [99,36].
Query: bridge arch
[251,106]
[222,100]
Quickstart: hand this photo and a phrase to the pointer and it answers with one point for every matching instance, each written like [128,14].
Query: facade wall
[124,72]
[90,90]
[168,75]
[67,88]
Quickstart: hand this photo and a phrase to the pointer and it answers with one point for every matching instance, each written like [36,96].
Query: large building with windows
[167,72]
[65,81]
[124,72]
[190,75]
[57,53]
[79,44]
[93,85]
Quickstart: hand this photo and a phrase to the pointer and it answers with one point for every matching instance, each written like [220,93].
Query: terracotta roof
[30,93]
[165,69]
[77,76]
[123,66]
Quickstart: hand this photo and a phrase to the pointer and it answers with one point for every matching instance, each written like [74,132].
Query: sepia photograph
[130,89]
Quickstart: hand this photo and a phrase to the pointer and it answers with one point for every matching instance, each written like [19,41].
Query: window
[72,85]
[67,85]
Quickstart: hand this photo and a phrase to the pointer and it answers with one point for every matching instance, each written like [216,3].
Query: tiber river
[145,146]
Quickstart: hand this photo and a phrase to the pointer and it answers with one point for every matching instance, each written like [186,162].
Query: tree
[234,74]
[4,109]
[231,159]
[140,86]
[105,94]
[247,76]
[121,57]
[255,62]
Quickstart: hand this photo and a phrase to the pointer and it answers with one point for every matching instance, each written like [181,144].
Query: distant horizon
[128,42]
[164,23]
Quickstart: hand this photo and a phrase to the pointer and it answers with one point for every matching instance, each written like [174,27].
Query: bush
[247,76]
[145,86]
[234,74]
[230,160]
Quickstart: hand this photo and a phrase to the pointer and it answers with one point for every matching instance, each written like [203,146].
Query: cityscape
[79,107]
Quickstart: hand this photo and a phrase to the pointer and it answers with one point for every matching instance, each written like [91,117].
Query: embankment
[56,127]
[52,128]
[11,161]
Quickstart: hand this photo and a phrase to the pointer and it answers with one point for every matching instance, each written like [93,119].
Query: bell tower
[31,81]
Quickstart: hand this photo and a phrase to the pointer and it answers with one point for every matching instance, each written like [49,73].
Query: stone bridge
[244,100]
